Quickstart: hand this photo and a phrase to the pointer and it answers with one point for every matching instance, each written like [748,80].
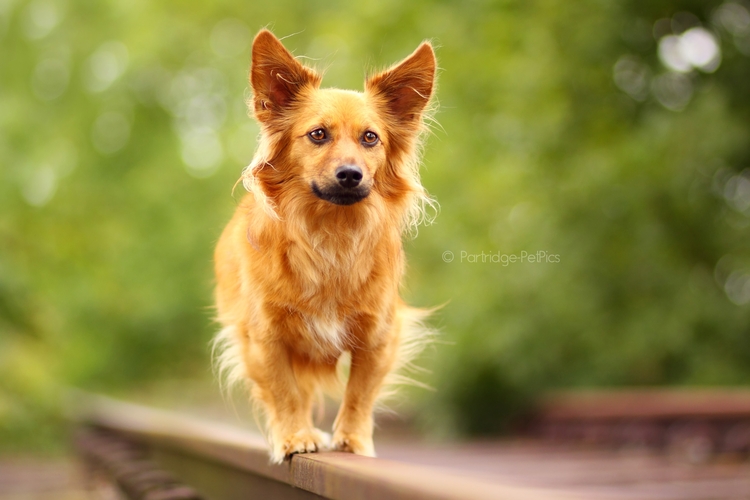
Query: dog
[309,267]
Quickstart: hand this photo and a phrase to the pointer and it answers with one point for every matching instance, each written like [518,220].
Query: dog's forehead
[336,107]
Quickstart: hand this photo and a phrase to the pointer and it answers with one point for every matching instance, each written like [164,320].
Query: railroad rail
[698,423]
[150,454]
[158,455]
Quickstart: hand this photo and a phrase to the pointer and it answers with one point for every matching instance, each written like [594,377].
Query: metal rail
[715,420]
[226,463]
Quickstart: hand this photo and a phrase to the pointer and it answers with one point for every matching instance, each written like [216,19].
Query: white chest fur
[327,333]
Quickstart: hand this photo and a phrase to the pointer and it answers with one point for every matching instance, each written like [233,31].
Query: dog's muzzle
[347,189]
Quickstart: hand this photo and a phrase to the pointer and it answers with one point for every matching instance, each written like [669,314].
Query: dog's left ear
[406,87]
[276,77]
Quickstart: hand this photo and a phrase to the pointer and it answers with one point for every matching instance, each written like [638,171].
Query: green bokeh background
[123,128]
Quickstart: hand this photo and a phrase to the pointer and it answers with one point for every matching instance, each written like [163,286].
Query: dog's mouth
[340,195]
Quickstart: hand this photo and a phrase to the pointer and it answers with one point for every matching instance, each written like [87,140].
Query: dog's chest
[326,334]
[328,272]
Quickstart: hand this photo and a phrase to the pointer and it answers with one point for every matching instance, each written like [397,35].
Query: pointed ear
[406,88]
[277,79]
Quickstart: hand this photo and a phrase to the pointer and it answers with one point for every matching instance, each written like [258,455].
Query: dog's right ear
[277,79]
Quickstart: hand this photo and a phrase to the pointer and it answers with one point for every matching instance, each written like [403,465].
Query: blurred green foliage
[123,127]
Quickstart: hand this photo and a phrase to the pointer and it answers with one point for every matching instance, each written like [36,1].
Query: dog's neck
[337,243]
[336,234]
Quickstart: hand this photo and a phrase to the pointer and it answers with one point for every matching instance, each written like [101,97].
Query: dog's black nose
[349,176]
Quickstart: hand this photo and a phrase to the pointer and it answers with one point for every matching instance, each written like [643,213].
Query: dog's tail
[414,335]
[226,354]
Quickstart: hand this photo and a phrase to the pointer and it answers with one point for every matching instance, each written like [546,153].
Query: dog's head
[339,146]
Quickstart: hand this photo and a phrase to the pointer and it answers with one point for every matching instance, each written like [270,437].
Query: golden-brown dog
[309,266]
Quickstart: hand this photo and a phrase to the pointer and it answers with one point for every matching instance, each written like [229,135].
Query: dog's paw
[302,441]
[353,443]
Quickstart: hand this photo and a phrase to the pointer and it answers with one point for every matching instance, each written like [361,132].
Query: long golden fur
[309,267]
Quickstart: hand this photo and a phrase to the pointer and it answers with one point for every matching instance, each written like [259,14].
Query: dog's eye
[317,135]
[370,138]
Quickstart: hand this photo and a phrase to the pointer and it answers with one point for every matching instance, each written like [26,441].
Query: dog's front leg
[354,424]
[286,399]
